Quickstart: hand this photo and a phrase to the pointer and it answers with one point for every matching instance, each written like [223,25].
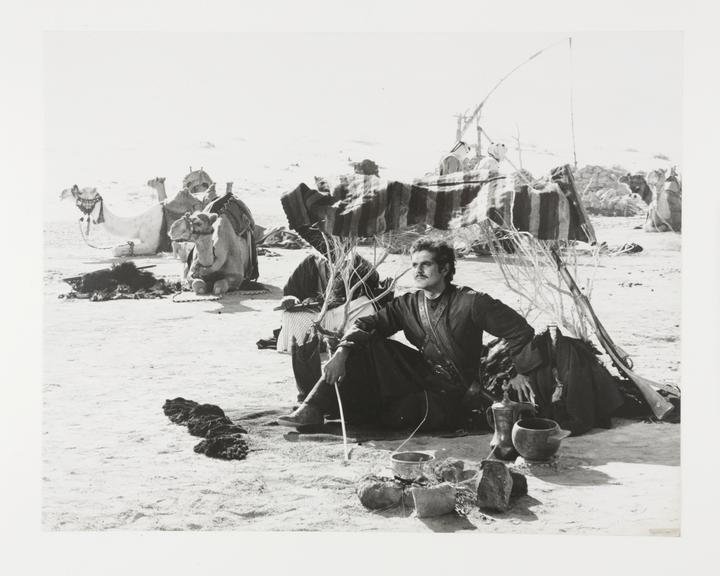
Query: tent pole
[572,115]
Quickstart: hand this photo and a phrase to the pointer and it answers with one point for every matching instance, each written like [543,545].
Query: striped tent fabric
[365,206]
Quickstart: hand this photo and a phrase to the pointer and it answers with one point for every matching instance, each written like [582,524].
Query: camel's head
[638,185]
[190,226]
[202,222]
[197,228]
[656,177]
[86,199]
[155,182]
[70,192]
[181,229]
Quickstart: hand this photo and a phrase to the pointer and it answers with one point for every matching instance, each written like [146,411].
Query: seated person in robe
[385,382]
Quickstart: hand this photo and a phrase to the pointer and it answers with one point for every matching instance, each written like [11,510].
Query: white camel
[143,231]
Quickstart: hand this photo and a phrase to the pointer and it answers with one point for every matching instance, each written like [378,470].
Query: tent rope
[478,108]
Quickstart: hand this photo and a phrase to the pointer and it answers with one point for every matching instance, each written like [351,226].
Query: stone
[449,470]
[470,479]
[434,500]
[495,486]
[519,484]
[379,494]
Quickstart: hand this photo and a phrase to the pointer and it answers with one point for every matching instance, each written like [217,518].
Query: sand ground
[112,459]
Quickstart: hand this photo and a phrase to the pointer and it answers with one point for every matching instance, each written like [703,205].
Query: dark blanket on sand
[123,280]
[222,437]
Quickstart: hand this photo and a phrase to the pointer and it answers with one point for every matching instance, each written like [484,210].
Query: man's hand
[521,385]
[288,302]
[334,369]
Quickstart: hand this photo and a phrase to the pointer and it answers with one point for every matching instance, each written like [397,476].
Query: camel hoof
[221,286]
[199,286]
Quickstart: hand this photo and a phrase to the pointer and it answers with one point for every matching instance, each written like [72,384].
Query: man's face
[428,275]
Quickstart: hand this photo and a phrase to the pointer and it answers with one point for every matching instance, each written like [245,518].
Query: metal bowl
[410,465]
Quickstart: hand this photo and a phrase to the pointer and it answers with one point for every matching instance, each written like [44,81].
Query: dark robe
[309,280]
[390,382]
[590,394]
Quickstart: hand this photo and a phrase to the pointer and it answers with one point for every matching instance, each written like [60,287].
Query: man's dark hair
[442,253]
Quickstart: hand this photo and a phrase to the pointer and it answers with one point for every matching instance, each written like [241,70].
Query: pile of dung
[222,438]
[122,281]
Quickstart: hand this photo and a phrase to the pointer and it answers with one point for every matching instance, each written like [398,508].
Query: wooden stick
[658,404]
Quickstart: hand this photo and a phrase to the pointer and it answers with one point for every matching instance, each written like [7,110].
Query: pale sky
[117,89]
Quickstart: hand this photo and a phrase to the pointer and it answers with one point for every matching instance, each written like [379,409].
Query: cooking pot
[537,439]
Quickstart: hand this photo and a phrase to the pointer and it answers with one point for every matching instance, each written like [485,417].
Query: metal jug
[502,417]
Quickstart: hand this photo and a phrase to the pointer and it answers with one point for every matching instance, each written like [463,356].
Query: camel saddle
[235,209]
[241,219]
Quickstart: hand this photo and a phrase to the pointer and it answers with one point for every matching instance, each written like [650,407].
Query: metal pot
[410,465]
[537,439]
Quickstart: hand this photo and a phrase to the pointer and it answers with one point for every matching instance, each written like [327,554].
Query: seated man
[383,381]
[303,295]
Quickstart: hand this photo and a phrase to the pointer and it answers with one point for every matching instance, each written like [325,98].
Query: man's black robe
[388,381]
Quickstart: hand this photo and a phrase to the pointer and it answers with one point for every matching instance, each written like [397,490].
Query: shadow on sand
[237,302]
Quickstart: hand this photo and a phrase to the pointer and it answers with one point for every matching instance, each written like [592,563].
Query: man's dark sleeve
[502,321]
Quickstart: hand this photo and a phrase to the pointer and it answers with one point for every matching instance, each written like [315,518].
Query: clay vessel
[537,439]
